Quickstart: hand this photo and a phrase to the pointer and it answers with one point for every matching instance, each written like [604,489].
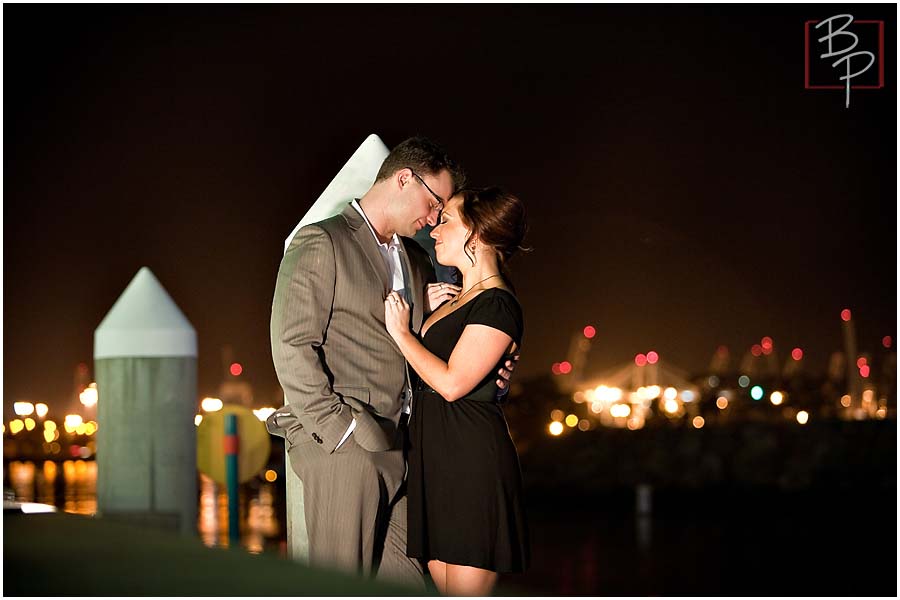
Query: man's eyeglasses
[440,201]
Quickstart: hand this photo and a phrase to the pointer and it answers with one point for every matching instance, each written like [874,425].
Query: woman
[466,518]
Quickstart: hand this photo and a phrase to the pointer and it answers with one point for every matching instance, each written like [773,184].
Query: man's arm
[304,293]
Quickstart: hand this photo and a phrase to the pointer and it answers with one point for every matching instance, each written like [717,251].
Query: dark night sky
[684,190]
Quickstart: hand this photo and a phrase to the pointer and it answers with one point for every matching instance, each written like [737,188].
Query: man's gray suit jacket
[333,355]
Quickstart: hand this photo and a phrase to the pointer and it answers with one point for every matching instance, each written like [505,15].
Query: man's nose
[432,217]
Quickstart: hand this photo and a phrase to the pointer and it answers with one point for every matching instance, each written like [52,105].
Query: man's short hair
[424,157]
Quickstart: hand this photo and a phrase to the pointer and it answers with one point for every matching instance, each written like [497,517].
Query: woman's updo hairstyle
[497,218]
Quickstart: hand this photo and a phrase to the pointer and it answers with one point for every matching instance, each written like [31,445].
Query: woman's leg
[469,581]
[438,572]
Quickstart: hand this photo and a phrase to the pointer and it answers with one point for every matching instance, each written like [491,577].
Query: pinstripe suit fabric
[336,362]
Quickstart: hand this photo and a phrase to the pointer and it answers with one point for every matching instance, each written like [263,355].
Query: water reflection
[74,490]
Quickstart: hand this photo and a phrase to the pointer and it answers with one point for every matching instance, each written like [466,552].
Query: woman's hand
[438,293]
[396,315]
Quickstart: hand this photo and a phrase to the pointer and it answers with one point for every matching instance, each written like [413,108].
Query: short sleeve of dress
[499,309]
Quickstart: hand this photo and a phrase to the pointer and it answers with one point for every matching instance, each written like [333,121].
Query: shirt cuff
[347,434]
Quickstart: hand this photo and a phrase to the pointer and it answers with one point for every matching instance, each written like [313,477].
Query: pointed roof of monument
[144,321]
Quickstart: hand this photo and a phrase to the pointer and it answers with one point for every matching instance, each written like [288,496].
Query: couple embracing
[393,381]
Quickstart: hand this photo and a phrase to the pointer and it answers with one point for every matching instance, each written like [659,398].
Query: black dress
[465,503]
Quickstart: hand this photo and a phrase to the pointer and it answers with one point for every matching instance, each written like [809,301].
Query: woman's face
[450,236]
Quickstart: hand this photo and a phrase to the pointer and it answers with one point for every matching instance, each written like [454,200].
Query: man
[345,381]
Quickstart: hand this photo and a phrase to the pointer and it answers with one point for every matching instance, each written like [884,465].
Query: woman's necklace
[460,297]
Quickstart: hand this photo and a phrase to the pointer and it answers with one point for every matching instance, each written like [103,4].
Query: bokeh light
[589,332]
[565,367]
[722,402]
[652,357]
[236,369]
[640,360]
[803,417]
[776,398]
[571,420]
[756,350]
[556,428]
[698,422]
[845,314]
[886,341]
[756,392]
[743,381]
[797,354]
[864,371]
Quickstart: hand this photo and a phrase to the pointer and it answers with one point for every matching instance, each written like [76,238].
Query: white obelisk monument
[145,360]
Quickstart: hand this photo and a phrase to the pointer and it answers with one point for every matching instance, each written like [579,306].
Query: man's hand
[505,374]
[438,293]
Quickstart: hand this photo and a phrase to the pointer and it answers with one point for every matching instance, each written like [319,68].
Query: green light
[756,392]
[743,381]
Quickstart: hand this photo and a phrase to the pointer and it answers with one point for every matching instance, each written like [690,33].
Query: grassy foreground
[68,555]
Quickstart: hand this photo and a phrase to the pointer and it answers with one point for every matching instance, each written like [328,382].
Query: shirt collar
[395,241]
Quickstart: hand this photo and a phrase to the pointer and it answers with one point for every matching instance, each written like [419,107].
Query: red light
[756,350]
[652,357]
[864,370]
[74,450]
[236,369]
[766,343]
[767,351]
[886,341]
[555,369]
[589,332]
[640,360]
[796,353]
[861,362]
[565,367]
[845,314]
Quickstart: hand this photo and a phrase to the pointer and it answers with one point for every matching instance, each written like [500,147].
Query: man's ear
[403,177]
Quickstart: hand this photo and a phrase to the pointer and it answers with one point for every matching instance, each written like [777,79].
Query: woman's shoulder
[497,295]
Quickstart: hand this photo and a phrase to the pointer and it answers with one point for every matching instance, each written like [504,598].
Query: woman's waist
[485,393]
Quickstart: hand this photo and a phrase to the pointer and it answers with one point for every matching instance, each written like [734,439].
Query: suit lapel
[363,236]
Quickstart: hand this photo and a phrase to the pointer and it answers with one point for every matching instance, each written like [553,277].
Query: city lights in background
[861,362]
[41,409]
[197,420]
[756,350]
[698,422]
[776,398]
[652,357]
[235,369]
[722,402]
[211,404]
[743,381]
[886,341]
[565,367]
[803,417]
[88,397]
[864,371]
[640,360]
[845,315]
[797,354]
[590,332]
[556,428]
[756,392]
[23,409]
